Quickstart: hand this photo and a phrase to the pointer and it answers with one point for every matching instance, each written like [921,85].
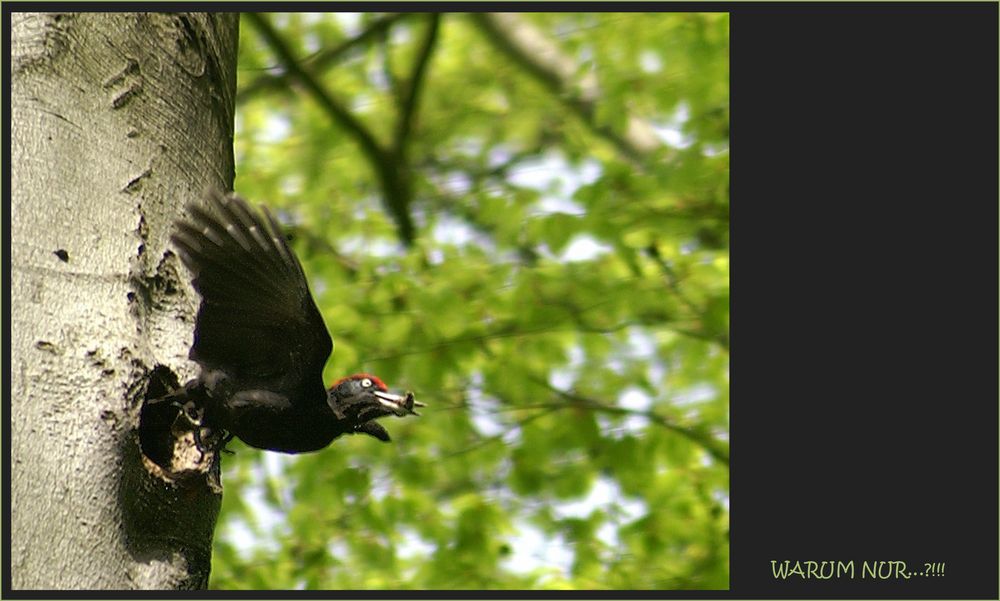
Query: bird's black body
[261,341]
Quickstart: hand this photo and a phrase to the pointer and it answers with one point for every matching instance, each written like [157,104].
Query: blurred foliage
[563,308]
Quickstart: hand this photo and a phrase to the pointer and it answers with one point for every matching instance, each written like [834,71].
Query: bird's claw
[221,439]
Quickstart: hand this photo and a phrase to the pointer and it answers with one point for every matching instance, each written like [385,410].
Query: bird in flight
[261,341]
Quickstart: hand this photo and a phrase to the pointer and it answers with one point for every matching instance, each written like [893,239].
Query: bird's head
[358,400]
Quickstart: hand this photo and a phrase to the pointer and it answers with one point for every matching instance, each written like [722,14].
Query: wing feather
[257,320]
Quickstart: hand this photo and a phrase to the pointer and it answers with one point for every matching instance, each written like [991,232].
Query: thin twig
[673,282]
[498,437]
[715,448]
[341,115]
[549,65]
[382,162]
[321,59]
[411,94]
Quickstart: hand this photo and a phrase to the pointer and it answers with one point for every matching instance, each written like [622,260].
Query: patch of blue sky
[583,247]
[563,377]
[351,22]
[452,230]
[694,395]
[381,483]
[671,130]
[378,78]
[267,525]
[532,549]
[413,546]
[368,246]
[650,62]
[483,409]
[277,127]
[455,182]
[557,180]
[633,399]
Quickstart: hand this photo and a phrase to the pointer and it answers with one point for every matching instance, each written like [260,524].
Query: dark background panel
[864,404]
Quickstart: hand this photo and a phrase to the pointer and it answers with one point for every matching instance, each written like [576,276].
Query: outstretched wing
[257,321]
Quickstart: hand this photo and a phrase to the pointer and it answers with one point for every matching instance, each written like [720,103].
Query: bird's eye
[366,382]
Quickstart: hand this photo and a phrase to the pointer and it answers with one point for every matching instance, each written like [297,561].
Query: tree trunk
[118,120]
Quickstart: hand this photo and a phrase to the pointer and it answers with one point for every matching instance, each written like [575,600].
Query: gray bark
[118,120]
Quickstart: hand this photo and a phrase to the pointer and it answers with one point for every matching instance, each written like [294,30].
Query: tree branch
[575,323]
[394,191]
[715,448]
[373,151]
[321,59]
[446,202]
[482,442]
[673,282]
[411,94]
[543,60]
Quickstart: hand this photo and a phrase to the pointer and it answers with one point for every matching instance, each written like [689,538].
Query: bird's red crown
[379,384]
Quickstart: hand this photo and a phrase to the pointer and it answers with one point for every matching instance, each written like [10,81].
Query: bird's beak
[398,404]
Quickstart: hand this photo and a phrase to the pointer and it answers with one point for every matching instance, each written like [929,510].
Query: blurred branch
[399,202]
[385,54]
[504,331]
[499,437]
[297,72]
[478,172]
[548,64]
[575,313]
[513,329]
[674,284]
[717,449]
[394,192]
[411,95]
[321,59]
[446,202]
